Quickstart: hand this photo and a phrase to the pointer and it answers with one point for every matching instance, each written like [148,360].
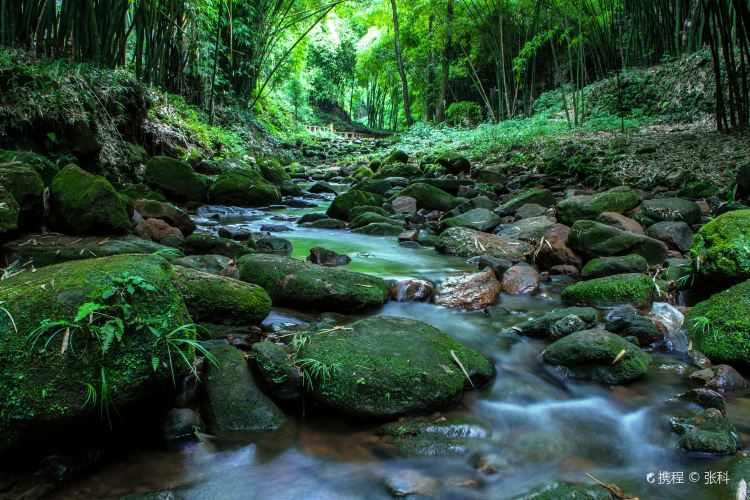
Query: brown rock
[409,235]
[554,249]
[404,205]
[565,270]
[521,279]
[411,289]
[469,291]
[150,209]
[620,222]
[156,230]
[721,378]
[704,206]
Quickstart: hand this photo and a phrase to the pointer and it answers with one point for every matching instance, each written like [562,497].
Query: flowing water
[537,428]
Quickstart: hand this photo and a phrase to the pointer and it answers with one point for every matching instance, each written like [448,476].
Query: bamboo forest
[373,249]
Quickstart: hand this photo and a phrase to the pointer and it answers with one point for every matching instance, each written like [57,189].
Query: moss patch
[631,288]
[723,247]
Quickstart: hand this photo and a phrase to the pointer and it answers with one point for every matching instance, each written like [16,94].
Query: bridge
[344,134]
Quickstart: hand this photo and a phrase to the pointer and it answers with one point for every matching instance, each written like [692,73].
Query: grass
[314,370]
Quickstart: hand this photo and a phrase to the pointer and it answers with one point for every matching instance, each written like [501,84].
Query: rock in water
[480,219]
[234,405]
[243,188]
[521,279]
[151,209]
[44,390]
[607,266]
[428,197]
[632,288]
[591,355]
[469,243]
[281,377]
[469,291]
[296,283]
[329,258]
[344,203]
[385,367]
[707,431]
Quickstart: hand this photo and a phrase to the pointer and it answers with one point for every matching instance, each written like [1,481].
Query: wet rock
[497,264]
[218,299]
[706,398]
[405,205]
[540,327]
[620,222]
[322,187]
[521,279]
[672,209]
[530,230]
[324,257]
[530,210]
[175,178]
[575,208]
[344,203]
[411,289]
[281,377]
[385,367]
[591,355]
[565,270]
[396,156]
[379,229]
[721,378]
[272,245]
[636,326]
[555,250]
[572,492]
[479,219]
[418,437]
[468,243]
[326,224]
[236,233]
[9,212]
[592,239]
[632,288]
[151,209]
[409,235]
[369,218]
[565,326]
[677,235]
[607,266]
[159,231]
[303,284]
[492,463]
[543,197]
[357,211]
[213,264]
[722,248]
[180,423]
[739,474]
[478,202]
[206,244]
[275,228]
[243,188]
[410,484]
[428,197]
[454,163]
[707,431]
[469,291]
[311,217]
[25,186]
[233,404]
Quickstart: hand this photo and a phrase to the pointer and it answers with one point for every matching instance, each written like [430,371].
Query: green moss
[45,168]
[206,244]
[357,211]
[344,203]
[380,229]
[575,208]
[543,197]
[593,239]
[243,188]
[383,367]
[272,171]
[302,284]
[9,212]
[369,218]
[607,266]
[221,300]
[363,173]
[398,170]
[672,209]
[707,431]
[26,186]
[428,197]
[572,492]
[722,247]
[419,437]
[175,178]
[631,288]
[44,390]
[720,326]
[396,156]
[453,162]
[142,192]
[277,371]
[88,204]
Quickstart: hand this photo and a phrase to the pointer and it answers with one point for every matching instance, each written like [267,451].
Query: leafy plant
[315,371]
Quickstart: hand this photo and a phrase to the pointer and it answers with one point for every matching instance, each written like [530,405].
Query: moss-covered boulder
[302,284]
[631,288]
[403,170]
[480,219]
[593,239]
[720,326]
[27,188]
[396,156]
[672,209]
[707,431]
[431,436]
[234,406]
[369,218]
[385,367]
[454,162]
[617,200]
[723,247]
[9,212]
[272,171]
[243,188]
[428,197]
[343,204]
[540,327]
[280,376]
[41,164]
[591,355]
[174,178]
[206,244]
[152,209]
[607,266]
[212,264]
[466,242]
[363,209]
[141,192]
[47,385]
[543,197]
[88,204]
[217,299]
[380,229]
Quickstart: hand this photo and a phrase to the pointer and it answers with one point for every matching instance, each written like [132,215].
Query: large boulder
[243,188]
[234,405]
[302,284]
[174,178]
[88,204]
[521,279]
[618,200]
[454,162]
[480,219]
[592,239]
[593,355]
[672,209]
[707,431]
[607,266]
[466,242]
[720,326]
[428,197]
[280,376]
[152,209]
[51,371]
[26,186]
[543,197]
[385,367]
[343,204]
[469,291]
[540,327]
[632,288]
[273,172]
[468,205]
[217,299]
[207,244]
[676,234]
[531,229]
[723,248]
[555,251]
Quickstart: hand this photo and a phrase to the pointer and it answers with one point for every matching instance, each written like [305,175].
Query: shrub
[464,114]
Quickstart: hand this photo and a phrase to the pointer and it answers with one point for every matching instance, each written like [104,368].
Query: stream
[537,429]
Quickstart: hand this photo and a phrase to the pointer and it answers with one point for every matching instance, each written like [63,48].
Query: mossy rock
[26,185]
[369,218]
[175,178]
[543,197]
[428,197]
[590,355]
[450,186]
[272,171]
[357,211]
[43,166]
[431,437]
[720,326]
[707,431]
[571,492]
[631,288]
[290,188]
[380,229]
[363,173]
[243,188]
[206,244]
[234,405]
[454,162]
[672,209]
[48,249]
[88,204]
[276,370]
[386,367]
[302,284]
[142,192]
[312,217]
[343,204]
[607,266]
[376,186]
[723,247]
[212,264]
[466,242]
[618,200]
[404,170]
[152,209]
[9,212]
[539,327]
[217,299]
[479,219]
[477,202]
[593,239]
[326,224]
[396,156]
[44,391]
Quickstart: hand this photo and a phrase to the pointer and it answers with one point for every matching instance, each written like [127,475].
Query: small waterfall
[672,319]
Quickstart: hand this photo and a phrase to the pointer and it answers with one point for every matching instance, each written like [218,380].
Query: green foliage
[464,114]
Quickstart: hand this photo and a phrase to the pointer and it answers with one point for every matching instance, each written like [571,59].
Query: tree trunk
[400,63]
